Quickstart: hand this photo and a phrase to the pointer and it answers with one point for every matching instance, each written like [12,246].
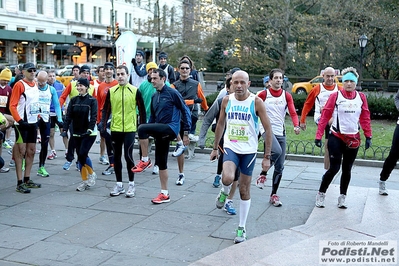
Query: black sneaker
[22,188]
[31,184]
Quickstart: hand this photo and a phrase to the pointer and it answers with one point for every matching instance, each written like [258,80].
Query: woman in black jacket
[82,114]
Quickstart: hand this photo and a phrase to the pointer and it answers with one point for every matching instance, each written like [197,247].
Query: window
[95,14]
[62,9]
[125,20]
[1,3]
[99,16]
[116,16]
[82,12]
[21,29]
[139,24]
[22,5]
[130,21]
[40,6]
[111,18]
[56,8]
[76,11]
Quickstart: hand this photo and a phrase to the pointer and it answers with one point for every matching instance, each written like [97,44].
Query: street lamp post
[362,43]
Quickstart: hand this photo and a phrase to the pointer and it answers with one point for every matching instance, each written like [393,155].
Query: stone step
[369,216]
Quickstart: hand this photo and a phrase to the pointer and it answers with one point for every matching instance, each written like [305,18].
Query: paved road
[56,225]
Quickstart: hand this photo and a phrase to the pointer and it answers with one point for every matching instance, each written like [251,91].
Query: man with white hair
[318,97]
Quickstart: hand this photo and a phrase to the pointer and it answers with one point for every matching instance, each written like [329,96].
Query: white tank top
[241,134]
[44,103]
[321,100]
[346,114]
[276,108]
[29,103]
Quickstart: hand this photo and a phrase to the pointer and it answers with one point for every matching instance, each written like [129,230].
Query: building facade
[68,32]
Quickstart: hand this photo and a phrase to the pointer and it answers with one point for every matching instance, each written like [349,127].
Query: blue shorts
[244,162]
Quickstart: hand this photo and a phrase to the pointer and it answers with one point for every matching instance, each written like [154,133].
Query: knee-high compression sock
[84,173]
[244,210]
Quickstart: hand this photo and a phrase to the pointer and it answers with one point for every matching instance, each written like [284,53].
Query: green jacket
[121,102]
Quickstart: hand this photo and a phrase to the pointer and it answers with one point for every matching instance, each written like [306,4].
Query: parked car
[306,87]
[63,68]
[45,66]
[66,77]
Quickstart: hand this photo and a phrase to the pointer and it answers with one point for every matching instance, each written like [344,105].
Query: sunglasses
[184,68]
[30,70]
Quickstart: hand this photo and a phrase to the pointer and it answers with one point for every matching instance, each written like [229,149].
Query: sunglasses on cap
[30,70]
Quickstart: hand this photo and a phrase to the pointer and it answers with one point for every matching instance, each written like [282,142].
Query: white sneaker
[320,199]
[103,160]
[261,181]
[83,186]
[180,180]
[117,190]
[155,170]
[192,137]
[92,179]
[382,189]
[341,202]
[131,191]
[180,148]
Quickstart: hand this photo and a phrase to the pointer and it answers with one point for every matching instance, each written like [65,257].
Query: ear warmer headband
[349,76]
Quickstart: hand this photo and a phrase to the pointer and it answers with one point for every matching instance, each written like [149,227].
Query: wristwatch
[185,133]
[267,156]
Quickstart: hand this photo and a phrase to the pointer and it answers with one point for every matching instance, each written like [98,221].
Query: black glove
[317,142]
[64,134]
[368,143]
[134,62]
[22,124]
[199,100]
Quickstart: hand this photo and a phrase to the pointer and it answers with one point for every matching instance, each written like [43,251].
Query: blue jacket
[59,88]
[168,107]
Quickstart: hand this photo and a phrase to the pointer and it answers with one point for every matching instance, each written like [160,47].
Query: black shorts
[26,134]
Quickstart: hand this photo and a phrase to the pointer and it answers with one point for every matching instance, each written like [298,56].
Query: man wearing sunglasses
[192,93]
[24,105]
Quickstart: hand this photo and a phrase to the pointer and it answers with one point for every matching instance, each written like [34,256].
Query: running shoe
[12,163]
[341,202]
[131,191]
[92,179]
[382,189]
[83,186]
[275,200]
[4,170]
[103,160]
[320,199]
[229,208]
[67,165]
[141,166]
[117,190]
[31,184]
[180,148]
[220,199]
[192,137]
[109,171]
[155,170]
[22,188]
[6,145]
[180,180]
[52,155]
[241,235]
[161,198]
[42,172]
[216,181]
[261,181]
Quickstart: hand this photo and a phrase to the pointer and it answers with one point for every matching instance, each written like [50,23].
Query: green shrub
[211,98]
